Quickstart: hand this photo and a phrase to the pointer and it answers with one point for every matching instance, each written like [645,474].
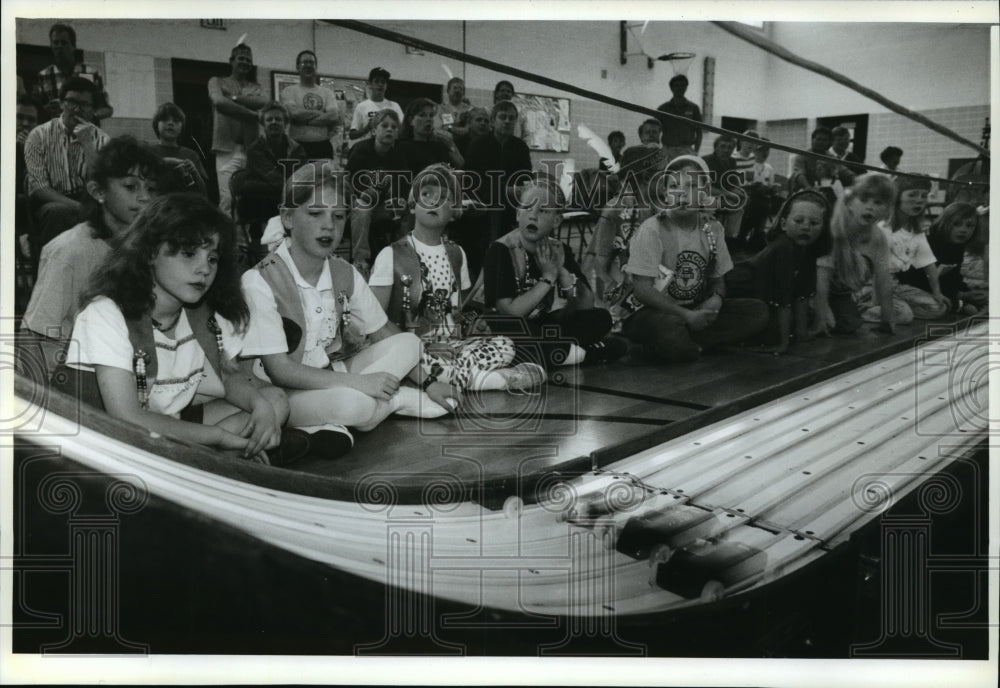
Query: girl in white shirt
[318,329]
[162,326]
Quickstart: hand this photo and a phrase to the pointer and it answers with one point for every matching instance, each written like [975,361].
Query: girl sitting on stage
[860,255]
[783,274]
[162,327]
[318,329]
[950,237]
[120,183]
[909,251]
[526,270]
[419,280]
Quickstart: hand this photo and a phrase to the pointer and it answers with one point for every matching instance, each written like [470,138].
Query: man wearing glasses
[313,109]
[56,155]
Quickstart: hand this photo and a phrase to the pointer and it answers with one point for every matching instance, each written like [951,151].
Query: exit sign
[214,24]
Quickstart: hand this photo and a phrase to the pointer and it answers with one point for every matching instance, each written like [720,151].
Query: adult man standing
[62,40]
[450,118]
[56,155]
[313,109]
[501,161]
[236,99]
[680,138]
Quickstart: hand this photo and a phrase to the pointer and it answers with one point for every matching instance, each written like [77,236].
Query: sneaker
[294,446]
[319,442]
[331,442]
[606,350]
[523,377]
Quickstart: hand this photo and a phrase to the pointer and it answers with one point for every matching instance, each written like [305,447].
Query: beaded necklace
[141,358]
[438,301]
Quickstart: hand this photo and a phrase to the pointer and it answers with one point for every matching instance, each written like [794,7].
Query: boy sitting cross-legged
[526,271]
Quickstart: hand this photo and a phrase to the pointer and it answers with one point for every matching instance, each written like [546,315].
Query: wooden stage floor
[591,416]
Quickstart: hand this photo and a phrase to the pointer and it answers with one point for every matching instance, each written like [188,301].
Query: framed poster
[545,121]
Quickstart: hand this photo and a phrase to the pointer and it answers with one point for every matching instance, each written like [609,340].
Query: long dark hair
[116,159]
[179,221]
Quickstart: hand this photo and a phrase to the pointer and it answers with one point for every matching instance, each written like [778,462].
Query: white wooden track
[713,513]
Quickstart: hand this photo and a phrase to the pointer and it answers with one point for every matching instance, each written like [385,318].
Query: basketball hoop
[679,61]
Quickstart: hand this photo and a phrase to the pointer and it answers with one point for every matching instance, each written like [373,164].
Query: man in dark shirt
[678,137]
[498,159]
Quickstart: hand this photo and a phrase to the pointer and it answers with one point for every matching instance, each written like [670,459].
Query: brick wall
[139,127]
[164,81]
[925,150]
[791,132]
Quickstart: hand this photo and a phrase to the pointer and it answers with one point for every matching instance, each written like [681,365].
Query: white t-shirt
[907,249]
[436,260]
[266,336]
[678,259]
[366,109]
[763,173]
[100,337]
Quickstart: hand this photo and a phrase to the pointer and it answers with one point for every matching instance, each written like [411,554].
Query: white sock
[409,401]
[487,382]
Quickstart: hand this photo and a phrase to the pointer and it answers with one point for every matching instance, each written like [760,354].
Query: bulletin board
[545,121]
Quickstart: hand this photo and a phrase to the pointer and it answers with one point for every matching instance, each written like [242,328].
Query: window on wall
[737,124]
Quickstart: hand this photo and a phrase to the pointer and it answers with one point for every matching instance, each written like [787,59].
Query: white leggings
[396,355]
